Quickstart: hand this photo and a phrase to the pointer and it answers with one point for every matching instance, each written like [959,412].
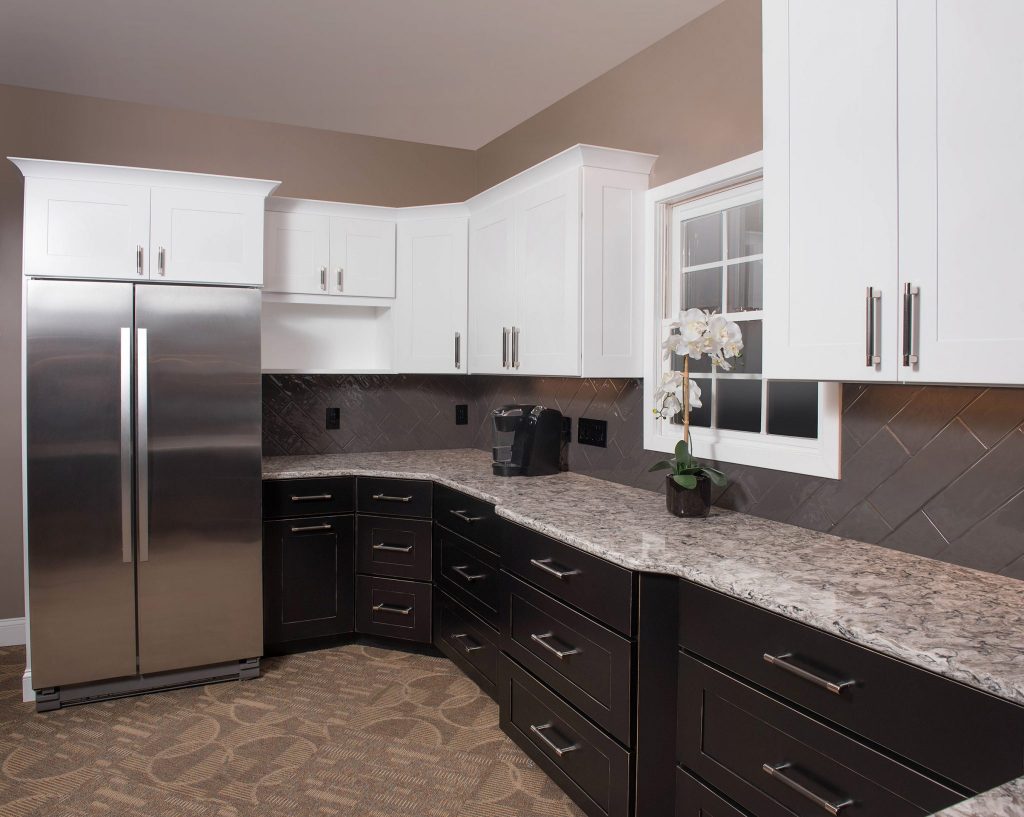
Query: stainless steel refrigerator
[143,486]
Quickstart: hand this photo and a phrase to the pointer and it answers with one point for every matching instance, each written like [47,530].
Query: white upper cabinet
[430,304]
[363,257]
[555,267]
[125,223]
[297,253]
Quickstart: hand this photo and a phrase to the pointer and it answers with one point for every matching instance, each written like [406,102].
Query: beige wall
[311,164]
[694,98]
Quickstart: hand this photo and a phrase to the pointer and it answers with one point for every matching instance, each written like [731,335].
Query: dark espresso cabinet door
[308,578]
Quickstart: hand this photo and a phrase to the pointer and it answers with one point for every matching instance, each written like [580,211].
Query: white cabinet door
[297,253]
[206,237]
[962,189]
[85,229]
[492,288]
[430,299]
[362,257]
[547,264]
[831,220]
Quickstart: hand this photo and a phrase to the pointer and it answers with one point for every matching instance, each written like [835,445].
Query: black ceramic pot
[689,502]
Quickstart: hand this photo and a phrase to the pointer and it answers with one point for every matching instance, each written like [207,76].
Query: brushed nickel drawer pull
[545,565]
[470,645]
[463,570]
[561,751]
[305,528]
[465,517]
[312,498]
[386,498]
[783,663]
[561,655]
[393,548]
[833,808]
[392,608]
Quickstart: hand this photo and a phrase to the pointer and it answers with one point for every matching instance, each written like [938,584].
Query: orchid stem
[686,401]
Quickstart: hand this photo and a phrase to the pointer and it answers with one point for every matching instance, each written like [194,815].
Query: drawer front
[283,498]
[586,764]
[467,516]
[388,546]
[393,497]
[468,573]
[467,641]
[587,664]
[393,608]
[598,588]
[694,799]
[777,762]
[961,734]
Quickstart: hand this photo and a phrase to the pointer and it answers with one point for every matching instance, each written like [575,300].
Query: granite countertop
[951,620]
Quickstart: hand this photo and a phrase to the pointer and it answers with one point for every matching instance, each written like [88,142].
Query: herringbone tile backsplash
[937,471]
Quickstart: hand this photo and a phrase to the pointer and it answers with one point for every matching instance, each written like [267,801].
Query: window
[706,251]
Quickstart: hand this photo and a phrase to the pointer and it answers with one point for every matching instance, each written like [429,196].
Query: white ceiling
[447,72]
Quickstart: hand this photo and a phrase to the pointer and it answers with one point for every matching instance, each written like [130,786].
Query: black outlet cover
[333,419]
[592,432]
[461,414]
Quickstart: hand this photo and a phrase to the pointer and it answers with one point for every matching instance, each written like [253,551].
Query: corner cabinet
[888,211]
[555,267]
[124,223]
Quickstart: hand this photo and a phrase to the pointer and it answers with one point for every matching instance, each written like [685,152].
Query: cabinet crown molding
[317,207]
[118,174]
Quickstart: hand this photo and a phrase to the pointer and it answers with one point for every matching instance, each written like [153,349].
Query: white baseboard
[12,631]
[27,693]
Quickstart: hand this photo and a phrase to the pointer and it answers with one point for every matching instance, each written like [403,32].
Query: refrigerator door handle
[126,444]
[142,435]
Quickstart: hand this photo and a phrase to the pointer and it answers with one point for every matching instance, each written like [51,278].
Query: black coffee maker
[527,441]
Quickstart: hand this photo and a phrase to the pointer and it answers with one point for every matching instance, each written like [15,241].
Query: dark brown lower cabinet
[308,575]
[393,608]
[694,799]
[467,641]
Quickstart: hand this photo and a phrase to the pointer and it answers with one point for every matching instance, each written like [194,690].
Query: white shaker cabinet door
[831,220]
[297,253]
[86,229]
[430,299]
[362,257]
[962,190]
[206,237]
[492,289]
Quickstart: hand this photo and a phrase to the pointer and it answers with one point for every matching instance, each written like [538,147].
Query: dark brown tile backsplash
[935,470]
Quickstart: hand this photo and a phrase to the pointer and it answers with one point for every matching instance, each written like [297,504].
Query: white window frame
[816,457]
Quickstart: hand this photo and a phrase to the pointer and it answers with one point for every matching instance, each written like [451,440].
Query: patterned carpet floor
[352,731]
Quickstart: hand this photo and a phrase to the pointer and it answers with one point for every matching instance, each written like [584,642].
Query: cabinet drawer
[467,641]
[467,516]
[776,762]
[598,588]
[584,662]
[586,764]
[393,608]
[399,548]
[308,497]
[962,734]
[468,573]
[394,497]
[694,799]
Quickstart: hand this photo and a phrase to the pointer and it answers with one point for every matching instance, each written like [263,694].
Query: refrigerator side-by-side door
[79,489]
[199,481]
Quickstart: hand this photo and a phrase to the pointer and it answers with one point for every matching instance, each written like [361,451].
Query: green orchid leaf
[685,481]
[662,464]
[682,453]
[716,476]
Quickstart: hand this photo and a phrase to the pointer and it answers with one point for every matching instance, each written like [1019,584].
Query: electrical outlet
[461,414]
[592,432]
[333,419]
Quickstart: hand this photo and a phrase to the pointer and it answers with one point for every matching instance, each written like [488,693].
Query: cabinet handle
[783,663]
[463,570]
[465,517]
[832,807]
[307,528]
[540,729]
[504,347]
[393,548]
[873,303]
[392,608]
[458,350]
[470,645]
[386,498]
[561,655]
[138,259]
[311,498]
[545,565]
[323,279]
[911,299]
[161,261]
[341,279]
[515,347]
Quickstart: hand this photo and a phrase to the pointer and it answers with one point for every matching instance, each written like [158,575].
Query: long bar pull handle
[392,608]
[463,571]
[161,261]
[545,565]
[504,347]
[468,644]
[873,303]
[323,279]
[307,528]
[142,438]
[311,498]
[832,807]
[393,548]
[561,655]
[540,729]
[911,294]
[458,350]
[138,259]
[126,444]
[341,279]
[515,347]
[386,498]
[783,663]
[465,517]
